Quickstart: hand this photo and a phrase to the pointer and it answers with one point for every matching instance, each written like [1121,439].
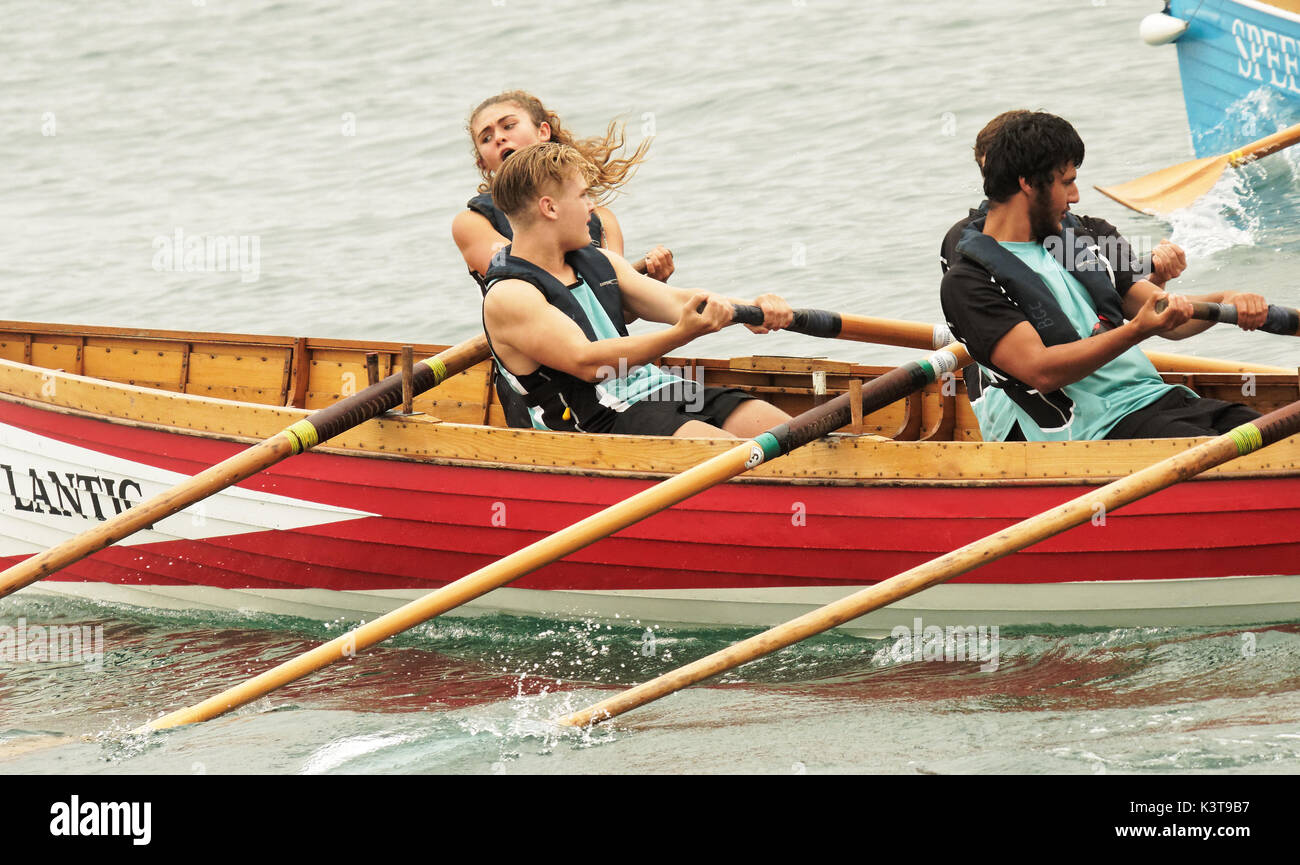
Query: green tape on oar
[771,447]
[439,369]
[1247,437]
[302,435]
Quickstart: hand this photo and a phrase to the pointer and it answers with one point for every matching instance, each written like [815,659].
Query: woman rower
[511,121]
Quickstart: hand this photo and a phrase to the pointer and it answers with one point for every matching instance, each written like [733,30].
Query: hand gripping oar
[1179,185]
[1281,319]
[294,439]
[1240,441]
[813,424]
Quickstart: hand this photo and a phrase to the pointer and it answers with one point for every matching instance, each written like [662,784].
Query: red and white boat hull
[327,536]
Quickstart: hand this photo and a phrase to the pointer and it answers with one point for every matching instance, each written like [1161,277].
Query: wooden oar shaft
[1245,439]
[143,515]
[736,460]
[301,436]
[913,334]
[859,328]
[1266,146]
[581,534]
[1177,186]
[891,331]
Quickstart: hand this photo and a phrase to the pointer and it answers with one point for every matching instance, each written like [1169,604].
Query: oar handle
[1281,319]
[812,322]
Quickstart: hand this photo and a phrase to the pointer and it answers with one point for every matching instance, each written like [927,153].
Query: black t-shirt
[980,313]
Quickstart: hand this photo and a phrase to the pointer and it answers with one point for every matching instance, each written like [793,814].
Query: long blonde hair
[611,172]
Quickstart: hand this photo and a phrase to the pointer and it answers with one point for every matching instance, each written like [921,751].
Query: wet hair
[1034,146]
[611,172]
[991,129]
[535,171]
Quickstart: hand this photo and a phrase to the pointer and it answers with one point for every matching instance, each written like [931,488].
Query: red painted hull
[435,523]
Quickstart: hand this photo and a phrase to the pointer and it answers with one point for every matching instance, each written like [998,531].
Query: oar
[1168,189]
[813,424]
[914,334]
[1242,440]
[294,439]
[1281,319]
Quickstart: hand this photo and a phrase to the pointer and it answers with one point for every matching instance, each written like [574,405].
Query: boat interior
[308,373]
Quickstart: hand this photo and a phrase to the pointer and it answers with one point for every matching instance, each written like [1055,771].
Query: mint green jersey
[1101,400]
[622,387]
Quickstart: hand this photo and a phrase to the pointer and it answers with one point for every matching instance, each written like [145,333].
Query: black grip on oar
[876,394]
[1283,320]
[371,402]
[1280,319]
[811,322]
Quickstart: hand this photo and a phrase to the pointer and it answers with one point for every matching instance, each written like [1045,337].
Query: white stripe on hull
[51,491]
[1224,601]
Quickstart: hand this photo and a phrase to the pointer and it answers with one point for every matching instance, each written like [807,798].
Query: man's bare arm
[1252,309]
[527,331]
[1022,354]
[476,239]
[653,300]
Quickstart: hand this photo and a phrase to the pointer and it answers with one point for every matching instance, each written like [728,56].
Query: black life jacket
[483,205]
[1078,254]
[548,398]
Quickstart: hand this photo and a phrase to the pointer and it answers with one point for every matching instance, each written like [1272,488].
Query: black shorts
[1178,414]
[654,417]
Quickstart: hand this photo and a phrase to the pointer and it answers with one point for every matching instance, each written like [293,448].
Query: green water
[480,695]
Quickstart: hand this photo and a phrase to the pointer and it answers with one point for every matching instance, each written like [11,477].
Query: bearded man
[1041,311]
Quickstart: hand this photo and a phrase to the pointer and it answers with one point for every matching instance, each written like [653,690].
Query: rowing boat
[95,419]
[1240,66]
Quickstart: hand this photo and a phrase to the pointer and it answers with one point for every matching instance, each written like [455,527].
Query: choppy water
[480,696]
[818,149]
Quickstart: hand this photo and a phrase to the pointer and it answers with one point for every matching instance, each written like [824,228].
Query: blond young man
[556,311]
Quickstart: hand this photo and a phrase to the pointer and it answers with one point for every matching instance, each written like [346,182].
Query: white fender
[1159,28]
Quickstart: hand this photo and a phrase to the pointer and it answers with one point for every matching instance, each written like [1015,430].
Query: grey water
[815,148]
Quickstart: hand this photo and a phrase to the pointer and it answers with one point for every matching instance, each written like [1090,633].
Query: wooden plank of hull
[148,363]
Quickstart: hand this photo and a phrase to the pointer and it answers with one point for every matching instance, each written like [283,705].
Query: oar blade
[1169,189]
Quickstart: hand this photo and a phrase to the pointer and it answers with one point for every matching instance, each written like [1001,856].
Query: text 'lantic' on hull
[93,420]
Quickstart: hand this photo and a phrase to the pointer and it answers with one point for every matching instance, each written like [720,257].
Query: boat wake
[1255,205]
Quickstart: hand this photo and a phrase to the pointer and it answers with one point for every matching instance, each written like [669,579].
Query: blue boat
[1240,67]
